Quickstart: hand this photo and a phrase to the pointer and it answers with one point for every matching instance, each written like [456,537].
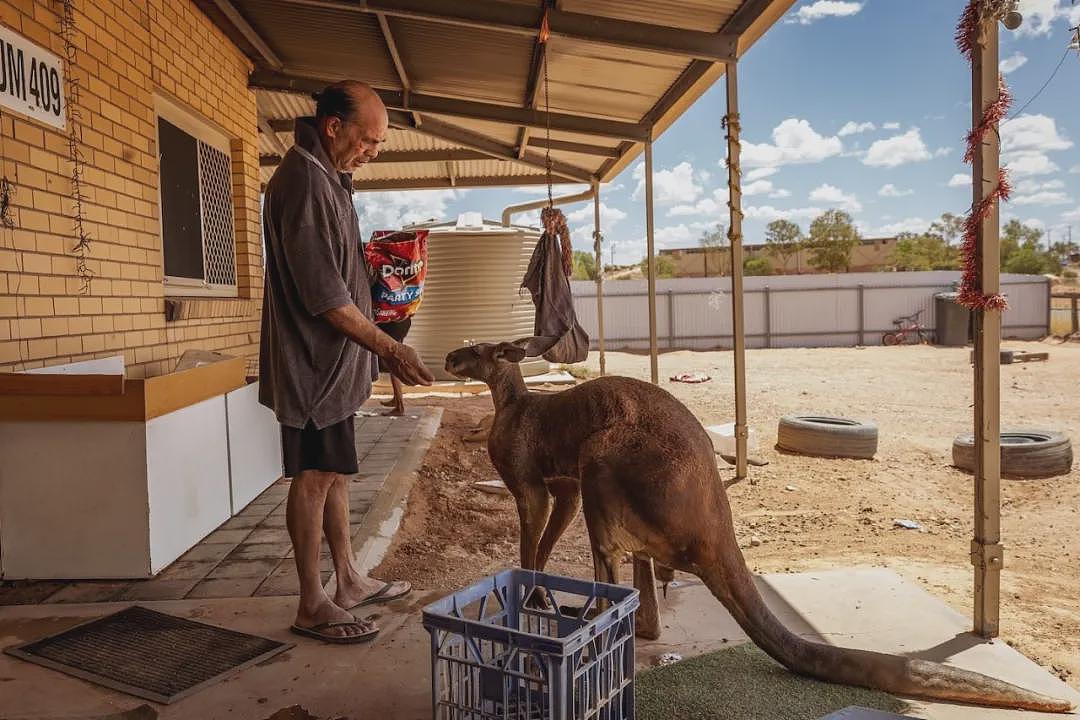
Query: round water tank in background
[474,271]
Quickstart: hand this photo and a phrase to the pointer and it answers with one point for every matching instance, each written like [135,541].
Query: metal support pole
[768,317]
[1075,314]
[862,314]
[671,319]
[987,554]
[654,365]
[597,248]
[735,236]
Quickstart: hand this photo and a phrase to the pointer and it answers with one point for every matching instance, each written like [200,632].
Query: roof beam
[537,66]
[525,20]
[443,182]
[399,66]
[573,147]
[271,135]
[265,79]
[249,33]
[405,156]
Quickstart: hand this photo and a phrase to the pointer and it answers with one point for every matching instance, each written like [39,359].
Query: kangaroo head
[484,361]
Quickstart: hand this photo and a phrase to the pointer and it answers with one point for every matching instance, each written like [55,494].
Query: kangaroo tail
[732,584]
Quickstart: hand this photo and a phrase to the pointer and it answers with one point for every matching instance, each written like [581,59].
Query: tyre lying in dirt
[1024,453]
[823,436]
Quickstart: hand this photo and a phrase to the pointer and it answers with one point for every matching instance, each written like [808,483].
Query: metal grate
[218,228]
[149,654]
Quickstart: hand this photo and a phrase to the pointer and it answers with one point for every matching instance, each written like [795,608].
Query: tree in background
[950,227]
[924,251]
[757,266]
[1021,251]
[832,238]
[784,239]
[713,242]
[665,266]
[584,266]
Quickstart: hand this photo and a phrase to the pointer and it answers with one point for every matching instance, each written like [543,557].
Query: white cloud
[609,216]
[908,225]
[891,190]
[680,236]
[1071,215]
[897,150]
[1026,187]
[853,128]
[764,172]
[1032,133]
[826,8]
[768,213]
[1034,223]
[836,197]
[891,126]
[1026,141]
[670,187]
[781,193]
[960,180]
[1012,63]
[758,187]
[1042,198]
[1075,170]
[943,152]
[794,142]
[394,209]
[714,206]
[1042,16]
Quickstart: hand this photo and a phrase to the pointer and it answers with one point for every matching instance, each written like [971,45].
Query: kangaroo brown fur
[644,471]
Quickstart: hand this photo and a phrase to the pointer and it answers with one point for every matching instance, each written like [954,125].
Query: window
[198,232]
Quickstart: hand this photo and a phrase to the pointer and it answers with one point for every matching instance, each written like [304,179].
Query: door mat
[149,654]
[743,682]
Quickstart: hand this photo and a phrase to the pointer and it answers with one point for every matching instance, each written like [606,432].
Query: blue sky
[861,106]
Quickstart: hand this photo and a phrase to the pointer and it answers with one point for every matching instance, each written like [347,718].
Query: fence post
[862,311]
[768,318]
[670,319]
[1075,314]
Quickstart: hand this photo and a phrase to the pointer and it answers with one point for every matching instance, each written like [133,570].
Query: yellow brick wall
[128,51]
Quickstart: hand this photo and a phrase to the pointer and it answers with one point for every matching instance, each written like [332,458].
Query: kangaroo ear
[529,345]
[511,352]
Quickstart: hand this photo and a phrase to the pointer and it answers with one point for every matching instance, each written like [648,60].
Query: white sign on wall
[31,80]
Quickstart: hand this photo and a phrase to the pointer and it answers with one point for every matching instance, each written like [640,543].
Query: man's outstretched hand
[405,364]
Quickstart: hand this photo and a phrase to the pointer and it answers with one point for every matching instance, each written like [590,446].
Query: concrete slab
[868,608]
[389,678]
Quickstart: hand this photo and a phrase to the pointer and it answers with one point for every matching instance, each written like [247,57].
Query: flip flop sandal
[383,594]
[315,632]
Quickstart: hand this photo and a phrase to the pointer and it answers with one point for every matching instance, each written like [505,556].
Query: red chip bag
[398,263]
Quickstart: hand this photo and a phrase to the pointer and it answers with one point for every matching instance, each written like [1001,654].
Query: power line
[1045,84]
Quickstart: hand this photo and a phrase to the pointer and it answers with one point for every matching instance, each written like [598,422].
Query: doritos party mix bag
[398,262]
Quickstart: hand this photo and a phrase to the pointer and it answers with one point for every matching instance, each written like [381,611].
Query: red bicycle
[905,326]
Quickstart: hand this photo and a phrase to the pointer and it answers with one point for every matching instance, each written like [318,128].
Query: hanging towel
[558,336]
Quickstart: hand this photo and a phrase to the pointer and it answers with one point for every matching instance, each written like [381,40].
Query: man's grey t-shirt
[309,371]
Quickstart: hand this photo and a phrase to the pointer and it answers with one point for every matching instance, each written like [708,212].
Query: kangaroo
[643,469]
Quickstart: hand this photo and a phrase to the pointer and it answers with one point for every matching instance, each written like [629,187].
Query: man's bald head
[352,122]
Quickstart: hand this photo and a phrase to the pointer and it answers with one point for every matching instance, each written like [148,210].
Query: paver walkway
[250,555]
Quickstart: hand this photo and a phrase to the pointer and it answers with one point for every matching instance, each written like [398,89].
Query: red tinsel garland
[970,296]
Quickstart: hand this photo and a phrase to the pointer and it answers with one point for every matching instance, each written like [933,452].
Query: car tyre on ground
[1024,453]
[823,436]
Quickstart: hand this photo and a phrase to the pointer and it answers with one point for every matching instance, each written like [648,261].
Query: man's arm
[400,359]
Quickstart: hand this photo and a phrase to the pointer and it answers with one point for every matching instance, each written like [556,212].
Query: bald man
[319,348]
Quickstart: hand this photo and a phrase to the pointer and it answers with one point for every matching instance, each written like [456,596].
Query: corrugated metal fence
[793,310]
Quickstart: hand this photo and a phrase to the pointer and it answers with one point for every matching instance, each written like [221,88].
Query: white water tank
[471,292]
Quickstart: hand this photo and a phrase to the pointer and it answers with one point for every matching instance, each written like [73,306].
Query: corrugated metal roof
[456,59]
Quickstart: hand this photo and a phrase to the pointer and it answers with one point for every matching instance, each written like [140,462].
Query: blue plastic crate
[498,654]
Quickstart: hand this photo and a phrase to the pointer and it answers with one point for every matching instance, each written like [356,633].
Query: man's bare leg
[352,585]
[397,403]
[304,515]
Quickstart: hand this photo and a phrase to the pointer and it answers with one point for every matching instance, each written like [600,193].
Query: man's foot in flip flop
[360,591]
[332,624]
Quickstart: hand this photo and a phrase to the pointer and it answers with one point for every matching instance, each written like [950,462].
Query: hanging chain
[81,250]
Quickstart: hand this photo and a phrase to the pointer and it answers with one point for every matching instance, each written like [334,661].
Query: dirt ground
[840,512]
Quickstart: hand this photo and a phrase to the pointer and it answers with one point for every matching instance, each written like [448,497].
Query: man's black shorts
[332,449]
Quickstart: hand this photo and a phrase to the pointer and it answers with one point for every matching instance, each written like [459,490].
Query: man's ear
[511,352]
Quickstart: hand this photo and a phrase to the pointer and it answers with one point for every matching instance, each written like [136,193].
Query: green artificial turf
[743,683]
